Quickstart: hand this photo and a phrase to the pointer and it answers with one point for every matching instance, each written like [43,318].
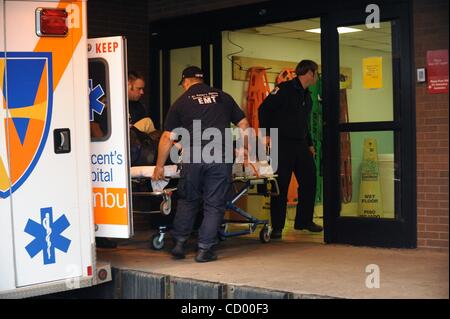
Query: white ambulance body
[47,229]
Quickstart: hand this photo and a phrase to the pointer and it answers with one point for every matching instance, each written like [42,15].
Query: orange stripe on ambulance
[110,205]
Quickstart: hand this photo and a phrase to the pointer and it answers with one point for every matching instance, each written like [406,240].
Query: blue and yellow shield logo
[26,92]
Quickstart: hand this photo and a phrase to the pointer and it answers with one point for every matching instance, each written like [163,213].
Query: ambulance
[62,183]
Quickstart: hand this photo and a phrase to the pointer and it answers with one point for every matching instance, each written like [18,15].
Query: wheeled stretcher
[157,197]
[243,181]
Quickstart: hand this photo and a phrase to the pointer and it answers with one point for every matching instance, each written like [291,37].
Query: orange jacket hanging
[258,89]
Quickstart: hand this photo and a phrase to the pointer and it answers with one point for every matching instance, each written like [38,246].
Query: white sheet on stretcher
[170,171]
[147,171]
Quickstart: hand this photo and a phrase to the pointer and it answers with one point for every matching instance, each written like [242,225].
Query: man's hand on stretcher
[165,143]
[158,173]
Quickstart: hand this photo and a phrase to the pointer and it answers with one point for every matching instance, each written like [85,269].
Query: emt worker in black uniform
[201,181]
[288,108]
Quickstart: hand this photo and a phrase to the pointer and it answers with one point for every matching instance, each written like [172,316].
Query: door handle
[61,141]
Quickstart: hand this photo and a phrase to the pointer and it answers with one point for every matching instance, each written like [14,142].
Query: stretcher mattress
[170,171]
[259,169]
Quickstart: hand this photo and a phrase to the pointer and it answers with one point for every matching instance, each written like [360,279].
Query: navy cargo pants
[206,184]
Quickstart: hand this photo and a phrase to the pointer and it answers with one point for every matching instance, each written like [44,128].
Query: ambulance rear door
[6,236]
[109,137]
[47,141]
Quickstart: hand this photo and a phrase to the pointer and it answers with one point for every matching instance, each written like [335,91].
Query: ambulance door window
[99,102]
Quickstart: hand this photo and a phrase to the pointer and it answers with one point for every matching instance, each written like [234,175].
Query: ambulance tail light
[51,22]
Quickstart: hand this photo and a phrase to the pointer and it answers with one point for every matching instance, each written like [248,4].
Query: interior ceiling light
[340,30]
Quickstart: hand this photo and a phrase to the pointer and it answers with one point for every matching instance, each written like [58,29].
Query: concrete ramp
[297,267]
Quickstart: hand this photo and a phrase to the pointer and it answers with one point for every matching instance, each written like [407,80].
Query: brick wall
[431,33]
[125,18]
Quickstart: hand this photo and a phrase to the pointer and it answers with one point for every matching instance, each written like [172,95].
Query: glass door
[169,58]
[370,195]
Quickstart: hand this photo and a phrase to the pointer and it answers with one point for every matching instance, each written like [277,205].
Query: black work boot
[205,255]
[276,234]
[178,250]
[312,227]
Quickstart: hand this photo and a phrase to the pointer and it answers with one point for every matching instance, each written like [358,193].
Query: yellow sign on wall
[373,72]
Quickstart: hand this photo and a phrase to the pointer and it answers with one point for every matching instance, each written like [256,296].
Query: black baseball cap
[191,72]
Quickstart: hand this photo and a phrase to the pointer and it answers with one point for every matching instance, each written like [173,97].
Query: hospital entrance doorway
[254,61]
[361,123]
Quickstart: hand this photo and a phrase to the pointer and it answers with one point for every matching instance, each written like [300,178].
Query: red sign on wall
[437,71]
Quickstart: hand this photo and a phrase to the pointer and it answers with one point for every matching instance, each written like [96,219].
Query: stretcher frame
[252,222]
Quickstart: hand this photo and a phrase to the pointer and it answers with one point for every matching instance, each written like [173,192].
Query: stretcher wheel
[158,241]
[264,234]
[166,206]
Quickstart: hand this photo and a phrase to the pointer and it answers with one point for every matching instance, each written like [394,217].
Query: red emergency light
[51,22]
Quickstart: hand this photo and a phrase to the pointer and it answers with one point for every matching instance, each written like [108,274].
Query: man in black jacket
[288,108]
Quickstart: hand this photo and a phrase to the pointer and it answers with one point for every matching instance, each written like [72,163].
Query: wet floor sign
[370,204]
